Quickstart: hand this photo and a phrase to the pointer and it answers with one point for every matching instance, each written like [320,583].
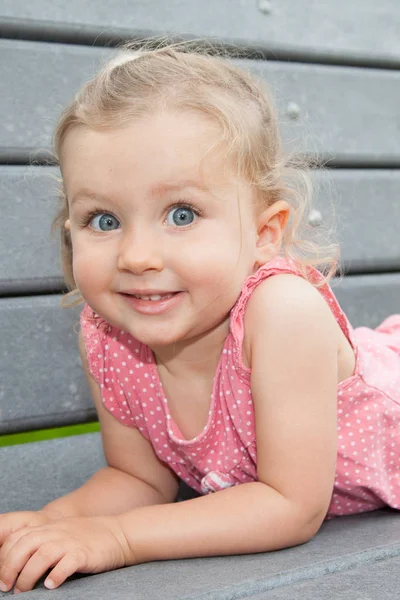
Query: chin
[156,339]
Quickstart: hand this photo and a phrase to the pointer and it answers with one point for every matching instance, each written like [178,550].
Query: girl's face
[163,233]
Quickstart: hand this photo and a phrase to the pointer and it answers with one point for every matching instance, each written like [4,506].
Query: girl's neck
[196,356]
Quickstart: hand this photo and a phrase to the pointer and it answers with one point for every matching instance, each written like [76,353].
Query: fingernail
[49,583]
[17,591]
[3,587]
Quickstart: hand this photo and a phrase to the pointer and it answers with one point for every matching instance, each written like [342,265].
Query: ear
[270,227]
[67,225]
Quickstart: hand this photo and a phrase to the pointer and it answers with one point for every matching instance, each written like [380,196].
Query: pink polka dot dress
[225,452]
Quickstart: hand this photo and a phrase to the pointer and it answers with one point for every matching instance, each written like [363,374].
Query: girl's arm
[292,345]
[134,475]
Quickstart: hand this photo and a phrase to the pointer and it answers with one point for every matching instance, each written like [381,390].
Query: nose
[140,251]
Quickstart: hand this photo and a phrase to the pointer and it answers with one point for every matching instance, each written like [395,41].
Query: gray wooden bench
[335,70]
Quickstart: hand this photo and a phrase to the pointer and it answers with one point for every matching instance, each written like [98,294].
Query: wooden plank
[365,203]
[334,103]
[41,379]
[371,581]
[37,473]
[30,255]
[368,299]
[329,30]
[40,80]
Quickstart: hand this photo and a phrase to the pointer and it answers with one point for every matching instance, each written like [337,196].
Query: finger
[9,572]
[3,525]
[12,539]
[11,557]
[11,522]
[7,526]
[5,530]
[68,565]
[38,564]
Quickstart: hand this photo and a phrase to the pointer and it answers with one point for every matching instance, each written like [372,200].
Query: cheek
[85,278]
[218,271]
[209,262]
[89,265]
[221,255]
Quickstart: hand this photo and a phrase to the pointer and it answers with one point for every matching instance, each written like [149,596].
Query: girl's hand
[66,546]
[13,521]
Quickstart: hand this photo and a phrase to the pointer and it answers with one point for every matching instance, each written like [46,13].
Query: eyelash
[185,204]
[85,221]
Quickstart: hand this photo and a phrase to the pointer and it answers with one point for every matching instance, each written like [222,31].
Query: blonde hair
[136,83]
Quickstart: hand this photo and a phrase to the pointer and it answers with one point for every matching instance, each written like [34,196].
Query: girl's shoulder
[286,296]
[279,292]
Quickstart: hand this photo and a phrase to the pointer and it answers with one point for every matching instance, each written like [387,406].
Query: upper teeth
[153,296]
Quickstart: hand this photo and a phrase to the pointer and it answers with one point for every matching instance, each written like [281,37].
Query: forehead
[159,150]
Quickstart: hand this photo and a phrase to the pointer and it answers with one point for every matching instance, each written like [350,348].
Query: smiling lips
[154,297]
[152,302]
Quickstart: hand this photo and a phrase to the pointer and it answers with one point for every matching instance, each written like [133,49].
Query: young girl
[215,351]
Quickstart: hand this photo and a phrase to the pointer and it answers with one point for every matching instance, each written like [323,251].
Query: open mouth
[153,304]
[155,297]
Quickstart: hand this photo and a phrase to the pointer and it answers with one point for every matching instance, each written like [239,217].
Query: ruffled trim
[390,325]
[94,328]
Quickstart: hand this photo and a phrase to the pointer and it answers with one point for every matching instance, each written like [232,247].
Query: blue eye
[180,216]
[104,222]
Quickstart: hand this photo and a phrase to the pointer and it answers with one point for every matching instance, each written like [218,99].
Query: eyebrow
[160,189]
[85,194]
[157,190]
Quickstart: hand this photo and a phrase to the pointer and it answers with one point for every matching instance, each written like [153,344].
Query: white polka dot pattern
[224,453]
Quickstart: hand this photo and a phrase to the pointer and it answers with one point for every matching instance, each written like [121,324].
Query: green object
[47,434]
